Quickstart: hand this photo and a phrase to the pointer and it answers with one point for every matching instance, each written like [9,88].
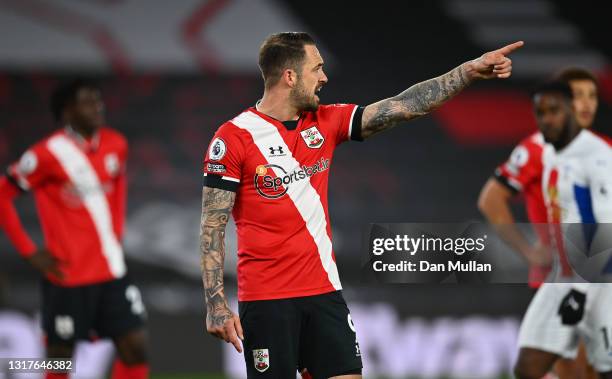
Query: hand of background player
[539,255]
[225,324]
[43,261]
[494,64]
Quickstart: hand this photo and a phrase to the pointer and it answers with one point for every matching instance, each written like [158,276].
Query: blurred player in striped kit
[573,175]
[575,183]
[522,174]
[78,178]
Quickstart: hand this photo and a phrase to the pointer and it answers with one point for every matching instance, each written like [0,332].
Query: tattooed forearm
[416,101]
[216,208]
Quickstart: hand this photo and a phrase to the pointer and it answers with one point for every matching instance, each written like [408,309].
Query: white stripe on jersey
[84,177]
[304,196]
[350,125]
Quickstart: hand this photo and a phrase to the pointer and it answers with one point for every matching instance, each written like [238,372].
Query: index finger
[232,337]
[510,48]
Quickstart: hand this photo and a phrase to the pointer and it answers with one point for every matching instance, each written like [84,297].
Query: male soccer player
[574,182]
[269,167]
[78,178]
[522,173]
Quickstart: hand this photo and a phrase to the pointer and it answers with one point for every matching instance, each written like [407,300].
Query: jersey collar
[576,146]
[289,125]
[86,145]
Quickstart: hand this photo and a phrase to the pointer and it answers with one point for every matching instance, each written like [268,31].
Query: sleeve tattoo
[216,208]
[416,101]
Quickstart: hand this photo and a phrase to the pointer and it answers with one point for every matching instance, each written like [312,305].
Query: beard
[302,99]
[562,139]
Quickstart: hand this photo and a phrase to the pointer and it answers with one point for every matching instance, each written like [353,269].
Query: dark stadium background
[430,170]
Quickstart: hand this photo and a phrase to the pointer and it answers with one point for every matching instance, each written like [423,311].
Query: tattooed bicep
[215,198]
[217,205]
[380,116]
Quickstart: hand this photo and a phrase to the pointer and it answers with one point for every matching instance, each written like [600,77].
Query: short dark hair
[554,86]
[66,93]
[280,51]
[576,73]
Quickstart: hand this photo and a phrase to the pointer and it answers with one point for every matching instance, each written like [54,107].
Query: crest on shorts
[64,326]
[313,138]
[261,358]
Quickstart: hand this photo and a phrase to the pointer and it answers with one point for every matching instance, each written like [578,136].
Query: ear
[290,77]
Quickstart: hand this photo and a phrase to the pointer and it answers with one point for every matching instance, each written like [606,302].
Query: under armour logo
[274,151]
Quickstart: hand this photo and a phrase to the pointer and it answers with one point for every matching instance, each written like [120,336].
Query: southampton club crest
[261,358]
[313,138]
[111,164]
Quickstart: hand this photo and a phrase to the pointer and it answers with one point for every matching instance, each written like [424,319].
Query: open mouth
[317,91]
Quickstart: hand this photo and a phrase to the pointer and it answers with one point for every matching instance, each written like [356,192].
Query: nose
[323,77]
[548,118]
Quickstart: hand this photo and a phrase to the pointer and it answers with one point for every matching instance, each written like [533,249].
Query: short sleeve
[345,121]
[223,160]
[522,167]
[123,151]
[599,182]
[31,170]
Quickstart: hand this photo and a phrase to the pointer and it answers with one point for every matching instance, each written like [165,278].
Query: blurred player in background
[269,167]
[575,179]
[78,178]
[522,173]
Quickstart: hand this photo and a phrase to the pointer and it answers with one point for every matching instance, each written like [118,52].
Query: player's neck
[85,133]
[277,106]
[571,135]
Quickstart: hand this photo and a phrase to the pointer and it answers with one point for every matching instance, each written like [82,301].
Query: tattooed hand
[220,320]
[424,97]
[494,64]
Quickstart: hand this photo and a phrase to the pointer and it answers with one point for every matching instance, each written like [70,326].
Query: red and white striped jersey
[79,188]
[280,172]
[522,172]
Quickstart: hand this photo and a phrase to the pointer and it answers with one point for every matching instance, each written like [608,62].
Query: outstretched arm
[424,97]
[221,322]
